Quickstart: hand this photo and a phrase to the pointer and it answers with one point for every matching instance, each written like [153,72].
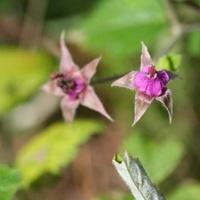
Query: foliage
[113,29]
[169,62]
[54,148]
[114,34]
[151,154]
[185,192]
[134,175]
[21,72]
[10,182]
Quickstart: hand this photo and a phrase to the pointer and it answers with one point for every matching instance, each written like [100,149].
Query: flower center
[71,86]
[152,73]
[67,85]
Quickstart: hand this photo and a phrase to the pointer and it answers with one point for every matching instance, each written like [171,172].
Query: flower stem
[106,79]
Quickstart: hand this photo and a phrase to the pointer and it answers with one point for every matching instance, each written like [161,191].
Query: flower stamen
[66,84]
[152,73]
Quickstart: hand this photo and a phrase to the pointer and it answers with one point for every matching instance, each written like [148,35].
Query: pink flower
[149,84]
[73,84]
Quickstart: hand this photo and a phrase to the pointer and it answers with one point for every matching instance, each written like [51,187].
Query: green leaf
[135,177]
[54,148]
[21,74]
[116,28]
[185,192]
[169,62]
[159,158]
[10,182]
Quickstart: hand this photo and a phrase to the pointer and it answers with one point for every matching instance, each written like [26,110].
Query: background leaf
[53,148]
[159,157]
[118,34]
[185,192]
[169,62]
[10,181]
[21,73]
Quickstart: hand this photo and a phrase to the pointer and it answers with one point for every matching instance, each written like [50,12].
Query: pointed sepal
[166,100]
[142,102]
[66,63]
[145,59]
[68,107]
[90,69]
[171,75]
[89,99]
[126,81]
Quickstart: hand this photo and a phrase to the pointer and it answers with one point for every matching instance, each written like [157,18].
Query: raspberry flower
[73,84]
[150,84]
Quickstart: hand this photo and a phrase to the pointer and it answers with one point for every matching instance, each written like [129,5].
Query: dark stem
[106,79]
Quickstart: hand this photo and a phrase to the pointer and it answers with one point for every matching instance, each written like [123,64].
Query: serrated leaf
[169,62]
[10,182]
[118,33]
[53,148]
[185,192]
[21,73]
[156,156]
[134,175]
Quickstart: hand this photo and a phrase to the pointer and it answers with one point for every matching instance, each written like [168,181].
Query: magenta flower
[149,84]
[73,84]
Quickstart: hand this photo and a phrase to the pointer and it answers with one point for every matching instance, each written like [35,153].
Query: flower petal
[89,70]
[68,108]
[145,59]
[141,82]
[154,88]
[89,99]
[142,102]
[127,81]
[66,63]
[163,76]
[167,102]
[51,87]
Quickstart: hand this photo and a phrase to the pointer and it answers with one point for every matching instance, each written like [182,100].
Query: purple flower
[73,84]
[149,84]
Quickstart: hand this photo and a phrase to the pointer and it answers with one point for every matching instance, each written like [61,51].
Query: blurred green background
[59,161]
